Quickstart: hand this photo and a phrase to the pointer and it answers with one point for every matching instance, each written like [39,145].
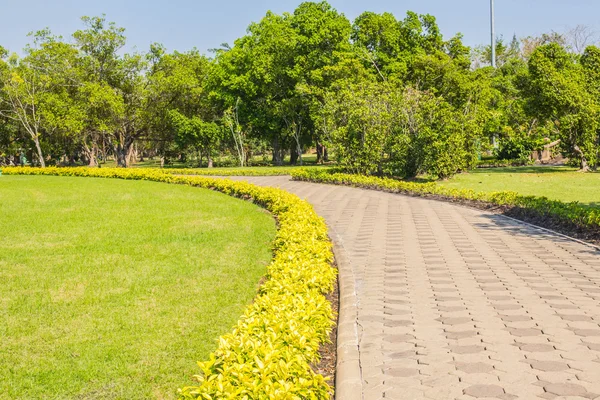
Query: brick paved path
[440,301]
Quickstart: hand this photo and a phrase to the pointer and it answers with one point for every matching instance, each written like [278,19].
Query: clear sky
[183,24]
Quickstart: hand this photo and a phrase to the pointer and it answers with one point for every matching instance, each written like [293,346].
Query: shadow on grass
[531,169]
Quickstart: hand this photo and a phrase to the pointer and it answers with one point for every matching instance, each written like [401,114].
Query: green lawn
[113,289]
[559,183]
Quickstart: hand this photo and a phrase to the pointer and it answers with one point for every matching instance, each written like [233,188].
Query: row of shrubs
[247,171]
[269,354]
[572,213]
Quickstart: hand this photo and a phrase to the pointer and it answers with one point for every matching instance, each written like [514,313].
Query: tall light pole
[492,20]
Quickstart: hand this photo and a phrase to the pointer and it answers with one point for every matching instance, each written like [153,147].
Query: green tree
[197,134]
[558,92]
[36,90]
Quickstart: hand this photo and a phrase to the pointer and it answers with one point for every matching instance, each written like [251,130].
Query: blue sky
[183,24]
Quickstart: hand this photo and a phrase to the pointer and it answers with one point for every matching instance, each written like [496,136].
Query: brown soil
[328,351]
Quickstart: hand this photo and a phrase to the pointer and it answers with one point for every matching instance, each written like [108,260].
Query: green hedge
[247,171]
[269,354]
[572,213]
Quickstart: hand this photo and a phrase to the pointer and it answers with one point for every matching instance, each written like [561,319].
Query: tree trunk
[90,153]
[132,155]
[121,154]
[299,152]
[277,152]
[93,159]
[40,155]
[584,167]
[123,150]
[320,152]
[293,155]
[210,160]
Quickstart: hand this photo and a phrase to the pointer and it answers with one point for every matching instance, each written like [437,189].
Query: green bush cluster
[572,213]
[269,354]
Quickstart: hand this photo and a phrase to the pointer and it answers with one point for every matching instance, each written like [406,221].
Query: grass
[556,183]
[114,289]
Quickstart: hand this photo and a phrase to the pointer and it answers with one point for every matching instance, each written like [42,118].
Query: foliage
[518,147]
[195,133]
[270,352]
[377,128]
[560,92]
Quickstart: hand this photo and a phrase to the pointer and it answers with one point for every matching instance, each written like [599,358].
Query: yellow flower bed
[269,354]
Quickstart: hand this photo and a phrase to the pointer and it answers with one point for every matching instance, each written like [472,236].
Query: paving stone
[568,389]
[402,372]
[455,320]
[461,334]
[398,338]
[575,317]
[474,368]
[466,349]
[547,365]
[516,318]
[525,332]
[587,332]
[479,391]
[536,348]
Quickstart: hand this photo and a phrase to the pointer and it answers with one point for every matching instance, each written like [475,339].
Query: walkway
[440,301]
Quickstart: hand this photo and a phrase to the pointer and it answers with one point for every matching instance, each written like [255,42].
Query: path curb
[348,378]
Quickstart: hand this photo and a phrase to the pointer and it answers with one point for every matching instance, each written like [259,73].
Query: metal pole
[493,33]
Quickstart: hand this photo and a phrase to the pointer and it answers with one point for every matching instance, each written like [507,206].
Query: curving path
[440,301]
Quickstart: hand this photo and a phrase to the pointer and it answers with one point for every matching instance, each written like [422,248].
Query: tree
[122,78]
[36,90]
[177,82]
[558,91]
[580,37]
[193,132]
[361,120]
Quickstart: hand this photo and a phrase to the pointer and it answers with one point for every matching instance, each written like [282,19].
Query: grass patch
[556,183]
[114,289]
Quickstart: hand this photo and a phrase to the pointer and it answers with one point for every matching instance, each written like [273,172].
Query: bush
[518,147]
[247,171]
[269,354]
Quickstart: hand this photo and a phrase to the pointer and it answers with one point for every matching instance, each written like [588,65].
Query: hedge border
[249,171]
[271,351]
[572,219]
